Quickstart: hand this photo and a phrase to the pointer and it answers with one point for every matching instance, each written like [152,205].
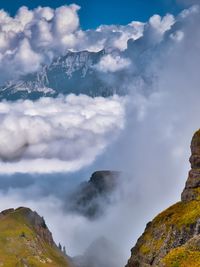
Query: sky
[94,12]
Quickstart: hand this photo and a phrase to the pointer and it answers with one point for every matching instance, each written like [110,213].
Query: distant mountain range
[77,73]
[73,73]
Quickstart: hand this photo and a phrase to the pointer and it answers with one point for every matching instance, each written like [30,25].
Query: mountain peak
[91,197]
[105,180]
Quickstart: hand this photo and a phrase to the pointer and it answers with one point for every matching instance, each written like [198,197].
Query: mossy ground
[21,246]
[159,235]
[181,214]
[182,257]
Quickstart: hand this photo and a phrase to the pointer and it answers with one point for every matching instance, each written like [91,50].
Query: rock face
[192,188]
[91,197]
[172,239]
[25,241]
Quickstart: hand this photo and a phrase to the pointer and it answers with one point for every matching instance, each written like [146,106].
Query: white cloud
[26,60]
[63,134]
[37,35]
[66,19]
[44,33]
[162,24]
[177,36]
[110,63]
[113,36]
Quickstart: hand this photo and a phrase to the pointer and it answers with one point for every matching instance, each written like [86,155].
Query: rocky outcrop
[38,224]
[104,181]
[172,239]
[26,241]
[91,197]
[192,187]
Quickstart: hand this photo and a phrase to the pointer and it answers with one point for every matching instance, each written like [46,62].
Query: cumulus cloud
[110,63]
[62,134]
[162,24]
[111,37]
[34,37]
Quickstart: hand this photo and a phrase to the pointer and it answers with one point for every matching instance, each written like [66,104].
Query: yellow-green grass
[179,216]
[20,244]
[182,257]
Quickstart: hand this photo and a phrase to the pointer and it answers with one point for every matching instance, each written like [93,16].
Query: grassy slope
[180,216]
[183,257]
[20,245]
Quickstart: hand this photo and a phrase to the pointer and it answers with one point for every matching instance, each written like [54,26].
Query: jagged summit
[192,187]
[91,198]
[172,239]
[105,180]
[26,241]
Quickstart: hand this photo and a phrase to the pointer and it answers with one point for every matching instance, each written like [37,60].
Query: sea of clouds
[62,134]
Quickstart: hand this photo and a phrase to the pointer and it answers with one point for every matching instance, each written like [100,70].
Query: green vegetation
[160,235]
[21,245]
[181,214]
[183,256]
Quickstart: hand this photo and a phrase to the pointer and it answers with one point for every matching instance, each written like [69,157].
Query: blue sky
[96,12]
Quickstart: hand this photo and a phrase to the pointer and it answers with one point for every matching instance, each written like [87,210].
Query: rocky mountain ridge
[74,72]
[172,239]
[25,241]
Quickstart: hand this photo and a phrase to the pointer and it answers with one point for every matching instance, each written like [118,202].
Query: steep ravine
[172,239]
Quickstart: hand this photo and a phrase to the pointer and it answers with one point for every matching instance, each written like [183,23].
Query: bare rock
[191,190]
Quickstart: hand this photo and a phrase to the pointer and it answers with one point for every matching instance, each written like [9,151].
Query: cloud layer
[35,37]
[63,134]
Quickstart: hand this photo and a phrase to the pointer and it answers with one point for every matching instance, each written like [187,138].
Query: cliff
[172,239]
[25,241]
[91,197]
